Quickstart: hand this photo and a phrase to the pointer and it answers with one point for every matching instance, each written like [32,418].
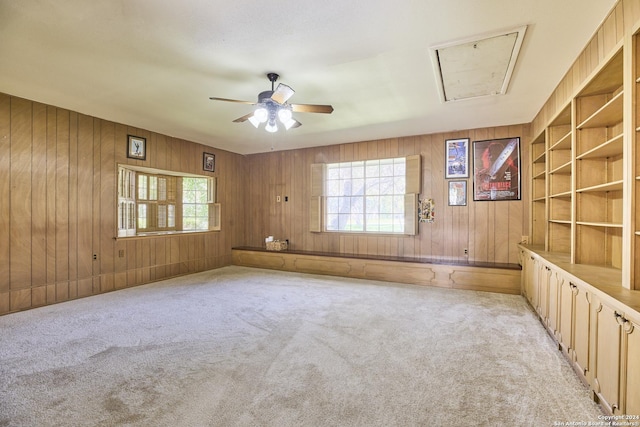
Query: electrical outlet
[95,256]
[525,240]
[466,251]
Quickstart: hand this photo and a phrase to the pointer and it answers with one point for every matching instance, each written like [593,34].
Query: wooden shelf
[563,143]
[600,224]
[560,221]
[610,148]
[541,175]
[539,199]
[564,169]
[564,118]
[541,158]
[607,79]
[608,115]
[609,186]
[563,195]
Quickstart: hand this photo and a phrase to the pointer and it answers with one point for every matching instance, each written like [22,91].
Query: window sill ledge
[164,233]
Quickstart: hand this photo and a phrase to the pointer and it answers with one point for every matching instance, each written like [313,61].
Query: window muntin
[366,196]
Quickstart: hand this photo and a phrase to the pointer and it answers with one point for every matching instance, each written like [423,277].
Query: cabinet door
[555,279]
[527,274]
[631,371]
[606,375]
[543,292]
[565,315]
[531,281]
[580,332]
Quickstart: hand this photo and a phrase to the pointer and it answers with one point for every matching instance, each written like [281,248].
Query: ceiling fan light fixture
[261,114]
[254,121]
[289,123]
[271,127]
[272,106]
[284,114]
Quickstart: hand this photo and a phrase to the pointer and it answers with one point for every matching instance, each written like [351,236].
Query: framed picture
[457,193]
[137,147]
[457,158]
[496,169]
[209,162]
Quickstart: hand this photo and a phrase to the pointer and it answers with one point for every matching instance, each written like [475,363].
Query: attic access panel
[478,66]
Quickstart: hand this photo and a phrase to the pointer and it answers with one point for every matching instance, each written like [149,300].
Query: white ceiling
[153,64]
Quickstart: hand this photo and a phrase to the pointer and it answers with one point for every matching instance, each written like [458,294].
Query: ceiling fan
[272,105]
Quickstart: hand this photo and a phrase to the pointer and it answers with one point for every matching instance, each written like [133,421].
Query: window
[156,200]
[195,209]
[151,201]
[366,196]
[369,196]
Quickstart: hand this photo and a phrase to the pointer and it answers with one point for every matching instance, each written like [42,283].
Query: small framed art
[457,193]
[457,157]
[209,162]
[137,147]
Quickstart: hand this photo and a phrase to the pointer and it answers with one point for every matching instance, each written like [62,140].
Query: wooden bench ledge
[502,278]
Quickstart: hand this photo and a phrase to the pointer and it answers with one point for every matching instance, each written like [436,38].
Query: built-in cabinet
[616,356]
[581,265]
[596,332]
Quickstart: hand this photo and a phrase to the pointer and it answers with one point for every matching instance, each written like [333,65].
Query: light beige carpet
[247,347]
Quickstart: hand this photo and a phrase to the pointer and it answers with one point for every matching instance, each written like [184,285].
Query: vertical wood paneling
[51,203]
[5,198]
[107,204]
[39,193]
[62,202]
[96,209]
[73,205]
[20,202]
[85,199]
[631,14]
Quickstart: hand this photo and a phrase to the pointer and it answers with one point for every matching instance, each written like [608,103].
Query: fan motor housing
[264,96]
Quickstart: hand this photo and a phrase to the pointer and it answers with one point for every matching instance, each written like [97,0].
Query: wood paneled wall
[489,230]
[607,38]
[58,207]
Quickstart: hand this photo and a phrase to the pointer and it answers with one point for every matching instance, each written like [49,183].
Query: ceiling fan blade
[297,124]
[282,93]
[231,100]
[310,108]
[243,118]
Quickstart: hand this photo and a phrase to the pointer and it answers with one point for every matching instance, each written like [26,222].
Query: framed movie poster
[496,169]
[457,154]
